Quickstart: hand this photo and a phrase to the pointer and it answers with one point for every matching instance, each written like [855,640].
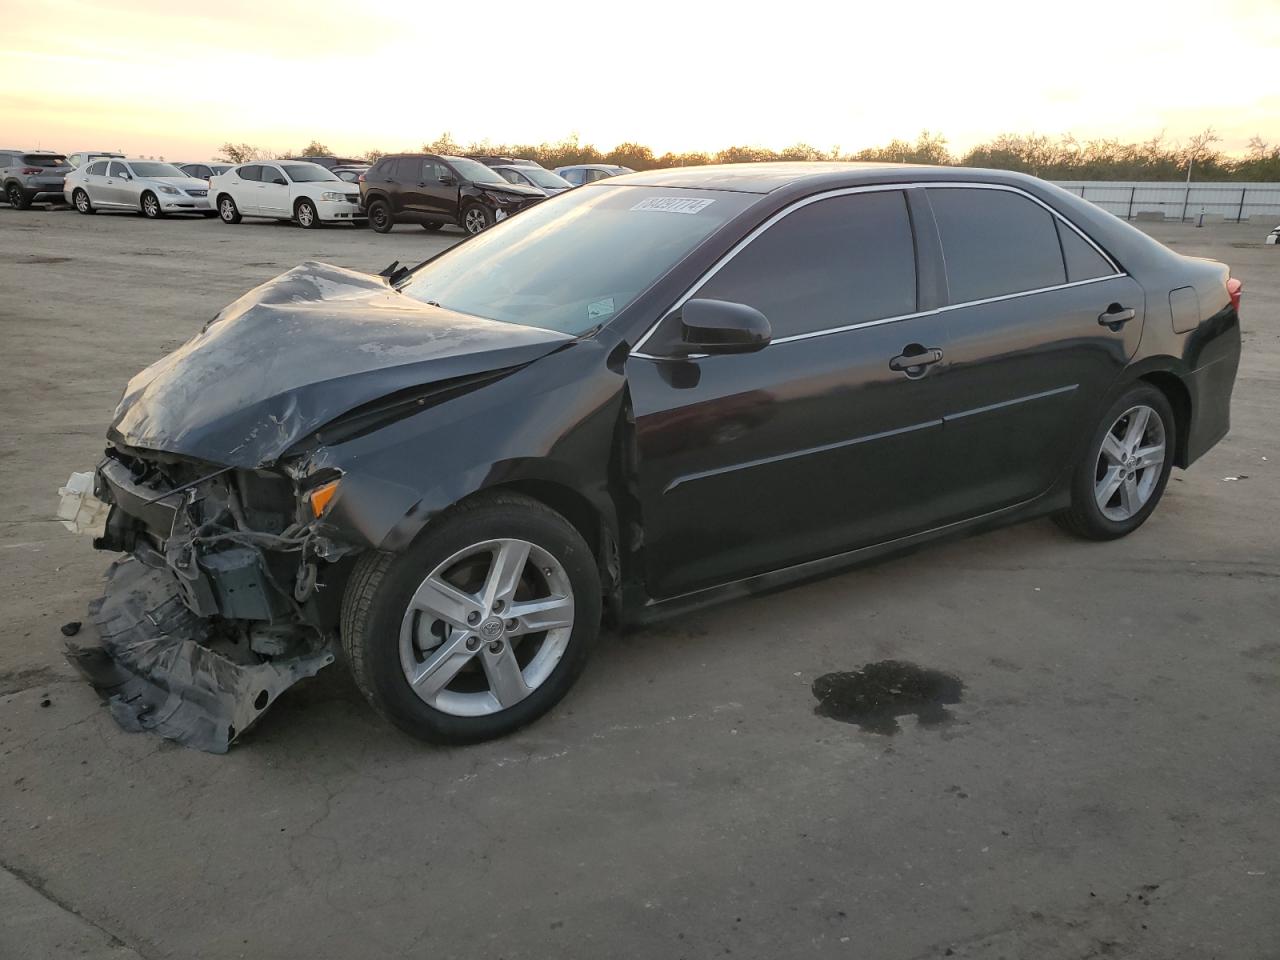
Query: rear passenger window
[995,242]
[1083,261]
[832,263]
[97,169]
[252,173]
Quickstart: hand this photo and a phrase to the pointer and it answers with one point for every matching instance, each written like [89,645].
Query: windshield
[474,171]
[44,160]
[572,262]
[544,178]
[145,169]
[306,172]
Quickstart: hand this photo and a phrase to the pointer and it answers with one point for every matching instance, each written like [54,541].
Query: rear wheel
[81,201]
[1123,475]
[305,213]
[380,217]
[228,210]
[478,628]
[151,206]
[476,218]
[17,198]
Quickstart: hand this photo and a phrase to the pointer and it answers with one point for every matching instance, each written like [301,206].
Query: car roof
[765,178]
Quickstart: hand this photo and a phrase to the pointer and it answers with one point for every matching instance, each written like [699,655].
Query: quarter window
[995,242]
[832,263]
[1083,261]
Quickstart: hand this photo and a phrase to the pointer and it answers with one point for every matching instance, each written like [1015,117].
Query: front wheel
[151,206]
[305,214]
[81,201]
[480,627]
[380,217]
[228,210]
[477,219]
[1126,468]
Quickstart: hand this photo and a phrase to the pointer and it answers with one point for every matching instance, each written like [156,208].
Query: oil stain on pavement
[874,696]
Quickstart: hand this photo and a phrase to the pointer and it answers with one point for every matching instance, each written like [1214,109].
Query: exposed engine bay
[220,605]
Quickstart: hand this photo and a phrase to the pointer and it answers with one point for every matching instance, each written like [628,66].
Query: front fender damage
[163,669]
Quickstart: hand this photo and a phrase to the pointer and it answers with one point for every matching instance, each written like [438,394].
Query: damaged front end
[221,603]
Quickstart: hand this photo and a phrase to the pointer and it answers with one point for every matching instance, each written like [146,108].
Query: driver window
[117,170]
[274,176]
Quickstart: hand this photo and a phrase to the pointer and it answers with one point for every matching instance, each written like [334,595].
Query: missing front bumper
[157,667]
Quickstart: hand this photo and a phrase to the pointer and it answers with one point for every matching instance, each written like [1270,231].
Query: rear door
[813,445]
[1033,352]
[243,187]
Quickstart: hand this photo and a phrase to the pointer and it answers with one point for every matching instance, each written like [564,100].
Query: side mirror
[446,179]
[718,326]
[126,175]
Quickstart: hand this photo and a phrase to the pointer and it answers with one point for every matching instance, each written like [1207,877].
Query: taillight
[1234,287]
[30,171]
[360,179]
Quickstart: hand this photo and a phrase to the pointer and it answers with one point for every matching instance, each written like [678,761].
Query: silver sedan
[147,186]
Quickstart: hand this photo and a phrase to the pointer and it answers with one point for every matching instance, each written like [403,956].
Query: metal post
[1132,191]
[1187,196]
[1240,212]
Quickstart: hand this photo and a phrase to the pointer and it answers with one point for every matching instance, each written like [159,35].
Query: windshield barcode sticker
[673,204]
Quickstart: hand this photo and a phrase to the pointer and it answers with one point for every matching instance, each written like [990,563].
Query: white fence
[1175,201]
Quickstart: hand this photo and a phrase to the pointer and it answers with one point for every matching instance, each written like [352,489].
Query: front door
[273,193]
[823,441]
[1033,351]
[114,190]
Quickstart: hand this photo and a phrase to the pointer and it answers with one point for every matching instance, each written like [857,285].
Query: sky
[178,80]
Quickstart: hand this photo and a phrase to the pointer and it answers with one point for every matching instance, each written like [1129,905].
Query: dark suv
[433,190]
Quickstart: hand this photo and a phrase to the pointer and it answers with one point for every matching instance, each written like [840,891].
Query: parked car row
[431,190]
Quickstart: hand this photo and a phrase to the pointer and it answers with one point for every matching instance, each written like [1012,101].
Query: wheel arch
[1178,394]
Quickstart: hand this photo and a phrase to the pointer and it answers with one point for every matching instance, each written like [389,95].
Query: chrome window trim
[877,188]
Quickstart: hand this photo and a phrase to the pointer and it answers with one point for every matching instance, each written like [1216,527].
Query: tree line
[1053,158]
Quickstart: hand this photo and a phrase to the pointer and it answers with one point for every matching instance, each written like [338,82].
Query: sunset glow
[156,79]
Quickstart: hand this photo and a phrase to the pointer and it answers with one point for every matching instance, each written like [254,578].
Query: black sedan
[650,393]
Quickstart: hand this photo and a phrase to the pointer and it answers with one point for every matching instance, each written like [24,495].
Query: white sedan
[285,190]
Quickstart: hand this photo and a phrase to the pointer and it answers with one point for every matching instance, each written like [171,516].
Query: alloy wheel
[82,201]
[150,206]
[227,209]
[15,196]
[486,627]
[306,215]
[1130,463]
[475,220]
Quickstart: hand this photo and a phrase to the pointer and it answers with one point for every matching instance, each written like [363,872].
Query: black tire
[380,217]
[80,200]
[228,212]
[1085,518]
[381,585]
[149,204]
[17,197]
[306,215]
[476,218]
[433,225]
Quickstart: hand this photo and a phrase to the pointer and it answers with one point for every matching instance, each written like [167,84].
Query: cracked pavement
[1109,785]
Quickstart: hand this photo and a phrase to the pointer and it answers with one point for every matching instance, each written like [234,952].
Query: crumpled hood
[298,351]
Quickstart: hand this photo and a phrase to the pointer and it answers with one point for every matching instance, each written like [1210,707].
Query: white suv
[285,190]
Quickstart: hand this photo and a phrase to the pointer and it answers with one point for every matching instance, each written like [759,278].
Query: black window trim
[636,351]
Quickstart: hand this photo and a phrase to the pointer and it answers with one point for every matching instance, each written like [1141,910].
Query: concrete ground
[1109,784]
